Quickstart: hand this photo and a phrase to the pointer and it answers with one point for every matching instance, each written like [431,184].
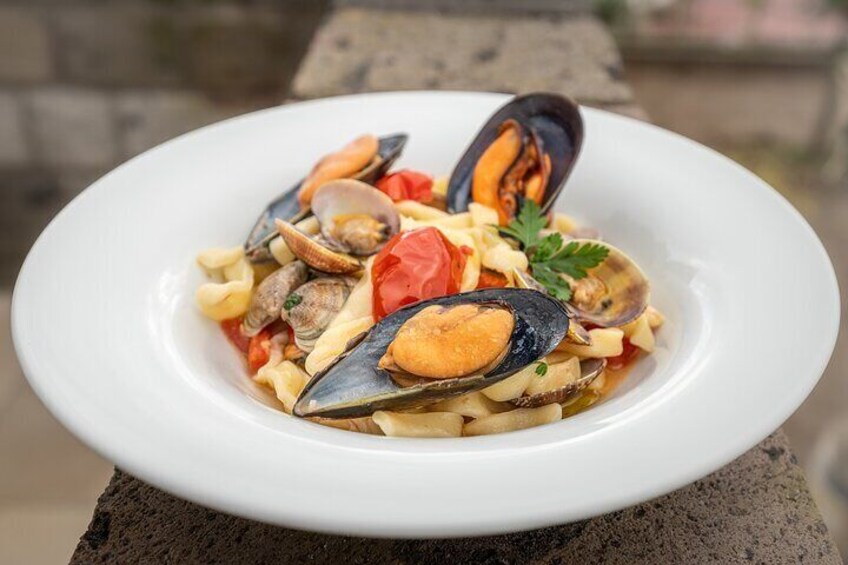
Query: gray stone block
[148,118]
[756,509]
[14,150]
[359,50]
[73,127]
[116,45]
[25,55]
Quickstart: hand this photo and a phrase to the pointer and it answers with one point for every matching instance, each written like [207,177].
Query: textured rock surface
[757,509]
[360,50]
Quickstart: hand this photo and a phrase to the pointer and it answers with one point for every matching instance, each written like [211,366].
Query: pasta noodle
[280,251]
[471,274]
[285,378]
[511,387]
[640,334]
[518,419]
[563,223]
[430,424]
[230,297]
[606,342]
[482,216]
[655,317]
[363,425]
[359,303]
[418,211]
[471,405]
[333,342]
[557,376]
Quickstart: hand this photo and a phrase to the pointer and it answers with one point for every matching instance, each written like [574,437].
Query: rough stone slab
[757,509]
[147,118]
[25,54]
[362,50]
[73,126]
[14,149]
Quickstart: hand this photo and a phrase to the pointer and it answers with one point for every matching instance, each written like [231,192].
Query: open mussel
[436,349]
[366,158]
[355,217]
[526,150]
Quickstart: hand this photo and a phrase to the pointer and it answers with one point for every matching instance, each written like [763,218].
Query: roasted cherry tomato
[628,354]
[415,265]
[232,329]
[407,185]
[491,279]
[259,350]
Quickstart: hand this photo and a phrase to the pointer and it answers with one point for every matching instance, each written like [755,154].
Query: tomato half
[259,350]
[491,279]
[415,265]
[232,329]
[407,185]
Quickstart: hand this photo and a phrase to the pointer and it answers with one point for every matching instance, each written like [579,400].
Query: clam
[380,369]
[294,204]
[315,253]
[590,369]
[313,306]
[271,294]
[526,150]
[355,217]
[614,293]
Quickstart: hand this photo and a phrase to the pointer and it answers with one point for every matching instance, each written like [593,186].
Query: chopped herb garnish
[541,368]
[548,257]
[293,300]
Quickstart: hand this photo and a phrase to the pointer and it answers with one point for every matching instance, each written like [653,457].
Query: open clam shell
[316,254]
[268,299]
[354,216]
[555,125]
[590,369]
[287,206]
[614,293]
[354,385]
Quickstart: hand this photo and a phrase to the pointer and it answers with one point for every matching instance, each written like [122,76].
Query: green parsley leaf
[555,284]
[541,368]
[547,247]
[293,300]
[575,259]
[526,226]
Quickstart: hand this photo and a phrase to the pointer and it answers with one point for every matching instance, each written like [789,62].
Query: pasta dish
[391,302]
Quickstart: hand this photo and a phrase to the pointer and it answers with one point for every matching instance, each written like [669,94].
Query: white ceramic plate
[109,336]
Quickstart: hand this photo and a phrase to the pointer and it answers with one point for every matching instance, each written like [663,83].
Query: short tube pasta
[428,424]
[518,419]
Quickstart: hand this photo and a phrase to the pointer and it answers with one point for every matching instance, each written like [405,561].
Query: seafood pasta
[383,301]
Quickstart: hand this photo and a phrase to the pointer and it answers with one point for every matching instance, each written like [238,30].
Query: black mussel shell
[552,118]
[353,385]
[287,207]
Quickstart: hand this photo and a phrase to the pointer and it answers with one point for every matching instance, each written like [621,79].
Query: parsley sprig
[548,257]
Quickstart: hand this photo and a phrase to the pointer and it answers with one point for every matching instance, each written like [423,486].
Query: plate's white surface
[109,337]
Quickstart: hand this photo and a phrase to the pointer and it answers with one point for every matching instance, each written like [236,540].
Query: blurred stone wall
[88,84]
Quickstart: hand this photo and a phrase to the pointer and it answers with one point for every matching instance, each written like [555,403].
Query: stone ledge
[417,50]
[756,509]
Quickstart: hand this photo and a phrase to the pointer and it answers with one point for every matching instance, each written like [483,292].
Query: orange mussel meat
[513,167]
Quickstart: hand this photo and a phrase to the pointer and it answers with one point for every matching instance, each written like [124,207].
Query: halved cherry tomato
[232,329]
[415,265]
[628,354]
[491,279]
[259,350]
[407,185]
